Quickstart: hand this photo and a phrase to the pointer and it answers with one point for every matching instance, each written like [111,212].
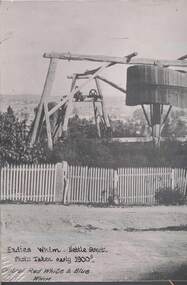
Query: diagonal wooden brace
[69,104]
[104,114]
[48,127]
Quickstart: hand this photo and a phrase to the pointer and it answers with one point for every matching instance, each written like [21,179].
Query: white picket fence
[84,185]
[89,185]
[28,183]
[128,186]
[139,185]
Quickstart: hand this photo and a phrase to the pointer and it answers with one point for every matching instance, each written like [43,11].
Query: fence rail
[78,184]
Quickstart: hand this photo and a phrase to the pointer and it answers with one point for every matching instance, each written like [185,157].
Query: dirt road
[120,243]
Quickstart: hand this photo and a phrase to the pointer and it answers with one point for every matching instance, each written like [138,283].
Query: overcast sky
[153,28]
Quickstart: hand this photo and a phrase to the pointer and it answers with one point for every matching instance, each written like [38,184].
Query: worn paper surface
[47,242]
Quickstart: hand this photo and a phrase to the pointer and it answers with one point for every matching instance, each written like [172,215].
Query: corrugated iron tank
[148,84]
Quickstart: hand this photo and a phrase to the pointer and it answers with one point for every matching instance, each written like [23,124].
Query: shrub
[168,196]
[113,198]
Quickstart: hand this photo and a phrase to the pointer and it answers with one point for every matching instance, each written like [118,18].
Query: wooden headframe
[90,75]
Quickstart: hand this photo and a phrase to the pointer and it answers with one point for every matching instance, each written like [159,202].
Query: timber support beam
[128,59]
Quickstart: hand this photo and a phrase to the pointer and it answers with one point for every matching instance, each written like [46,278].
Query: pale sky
[153,28]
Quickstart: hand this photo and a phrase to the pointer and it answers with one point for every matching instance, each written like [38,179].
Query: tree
[176,125]
[82,146]
[135,126]
[13,141]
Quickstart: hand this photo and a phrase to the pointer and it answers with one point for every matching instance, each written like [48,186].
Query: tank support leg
[156,123]
[96,119]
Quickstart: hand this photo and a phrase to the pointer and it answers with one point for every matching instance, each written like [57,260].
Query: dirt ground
[133,243]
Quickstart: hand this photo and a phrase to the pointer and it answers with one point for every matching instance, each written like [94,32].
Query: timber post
[69,105]
[65,182]
[61,193]
[116,198]
[105,117]
[155,122]
[59,183]
[45,94]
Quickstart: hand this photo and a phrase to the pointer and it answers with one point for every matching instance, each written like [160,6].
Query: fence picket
[50,186]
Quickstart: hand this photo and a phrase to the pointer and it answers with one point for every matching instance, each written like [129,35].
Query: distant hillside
[24,105]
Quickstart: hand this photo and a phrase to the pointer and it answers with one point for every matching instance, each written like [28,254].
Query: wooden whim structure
[63,109]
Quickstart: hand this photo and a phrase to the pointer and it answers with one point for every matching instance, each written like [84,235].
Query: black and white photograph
[93,141]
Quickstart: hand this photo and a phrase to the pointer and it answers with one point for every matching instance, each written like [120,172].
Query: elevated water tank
[147,84]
